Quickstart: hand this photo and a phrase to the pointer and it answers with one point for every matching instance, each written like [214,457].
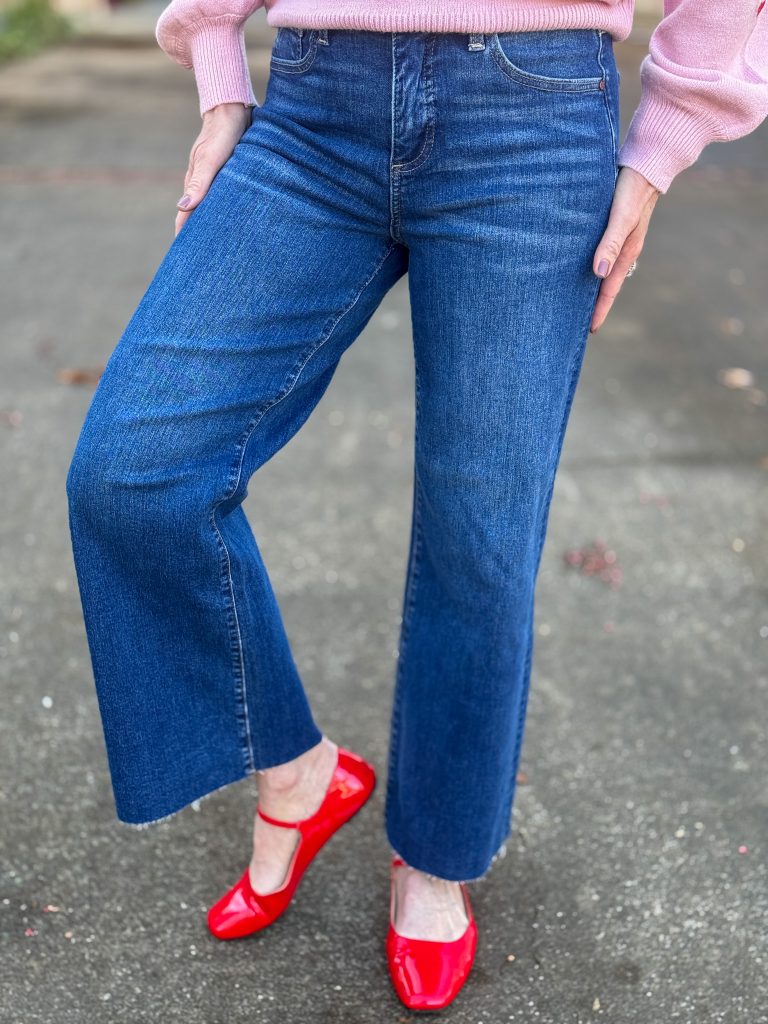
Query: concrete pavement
[634,886]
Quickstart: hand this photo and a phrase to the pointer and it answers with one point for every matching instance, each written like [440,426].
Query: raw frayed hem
[250,773]
[143,826]
[499,855]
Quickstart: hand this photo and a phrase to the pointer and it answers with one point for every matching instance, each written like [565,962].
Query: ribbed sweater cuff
[664,138]
[217,49]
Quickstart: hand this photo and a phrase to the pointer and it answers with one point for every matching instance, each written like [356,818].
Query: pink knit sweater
[704,79]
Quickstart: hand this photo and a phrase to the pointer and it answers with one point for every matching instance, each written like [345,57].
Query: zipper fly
[413,110]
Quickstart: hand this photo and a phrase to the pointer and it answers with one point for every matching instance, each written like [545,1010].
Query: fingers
[223,126]
[633,201]
[200,173]
[202,169]
[611,285]
[622,242]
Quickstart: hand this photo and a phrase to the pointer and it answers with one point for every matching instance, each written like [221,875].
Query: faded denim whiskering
[481,165]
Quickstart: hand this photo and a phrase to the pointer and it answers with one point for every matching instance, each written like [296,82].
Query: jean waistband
[475,40]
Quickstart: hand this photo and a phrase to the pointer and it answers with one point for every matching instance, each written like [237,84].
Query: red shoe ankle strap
[274,821]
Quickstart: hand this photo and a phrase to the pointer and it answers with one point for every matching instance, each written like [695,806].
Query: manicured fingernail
[184,201]
[602,268]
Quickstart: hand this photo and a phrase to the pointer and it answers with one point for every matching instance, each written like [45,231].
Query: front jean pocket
[552,60]
[294,49]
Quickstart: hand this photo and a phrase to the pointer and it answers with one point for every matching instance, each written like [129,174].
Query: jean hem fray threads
[194,802]
[500,854]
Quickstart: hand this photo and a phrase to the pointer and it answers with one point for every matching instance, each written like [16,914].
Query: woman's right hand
[223,127]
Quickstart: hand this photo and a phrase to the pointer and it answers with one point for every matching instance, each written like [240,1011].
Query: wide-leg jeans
[483,166]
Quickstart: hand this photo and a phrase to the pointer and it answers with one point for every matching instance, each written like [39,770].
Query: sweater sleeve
[208,36]
[704,79]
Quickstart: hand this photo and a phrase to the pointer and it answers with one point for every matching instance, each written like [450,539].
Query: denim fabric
[481,165]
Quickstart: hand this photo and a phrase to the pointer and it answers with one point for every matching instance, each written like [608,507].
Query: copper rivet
[602,83]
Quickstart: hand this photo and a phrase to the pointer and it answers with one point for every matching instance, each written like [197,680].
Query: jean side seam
[572,373]
[606,100]
[227,580]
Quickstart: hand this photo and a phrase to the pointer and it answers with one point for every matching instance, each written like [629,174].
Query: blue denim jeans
[483,166]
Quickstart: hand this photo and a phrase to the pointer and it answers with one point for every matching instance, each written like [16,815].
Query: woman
[474,147]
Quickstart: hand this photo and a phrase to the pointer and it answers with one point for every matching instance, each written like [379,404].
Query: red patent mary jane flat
[427,974]
[242,911]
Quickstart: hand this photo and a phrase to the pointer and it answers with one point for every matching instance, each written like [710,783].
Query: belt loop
[322,36]
[476,41]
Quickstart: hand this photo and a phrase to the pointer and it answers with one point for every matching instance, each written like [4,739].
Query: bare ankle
[283,778]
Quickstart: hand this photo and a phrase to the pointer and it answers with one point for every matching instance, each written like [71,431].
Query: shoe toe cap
[234,915]
[428,975]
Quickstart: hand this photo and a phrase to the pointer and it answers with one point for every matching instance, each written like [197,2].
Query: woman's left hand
[633,201]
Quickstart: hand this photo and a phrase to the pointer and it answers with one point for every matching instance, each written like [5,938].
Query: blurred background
[633,888]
